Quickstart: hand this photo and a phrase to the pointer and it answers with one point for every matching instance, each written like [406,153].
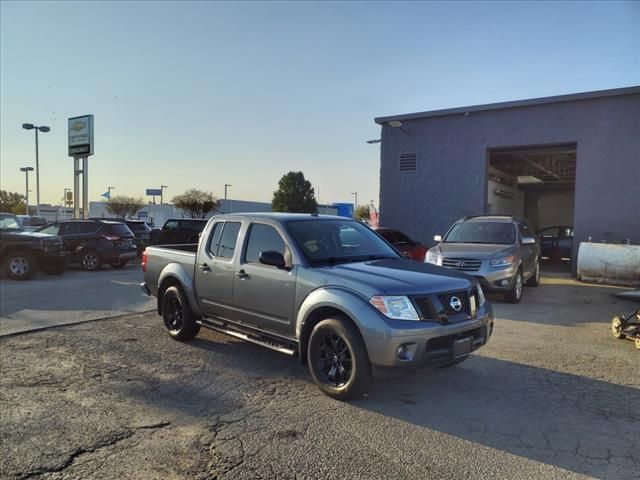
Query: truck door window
[171,225]
[214,241]
[228,239]
[263,238]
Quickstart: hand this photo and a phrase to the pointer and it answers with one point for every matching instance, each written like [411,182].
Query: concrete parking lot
[552,396]
[75,296]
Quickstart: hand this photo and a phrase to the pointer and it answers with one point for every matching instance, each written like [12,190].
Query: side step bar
[256,338]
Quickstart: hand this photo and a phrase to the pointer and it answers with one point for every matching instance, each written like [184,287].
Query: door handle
[204,267]
[242,274]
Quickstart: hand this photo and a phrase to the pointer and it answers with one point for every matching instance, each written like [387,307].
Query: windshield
[482,232]
[9,222]
[332,241]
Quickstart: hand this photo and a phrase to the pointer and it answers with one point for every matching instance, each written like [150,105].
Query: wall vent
[408,162]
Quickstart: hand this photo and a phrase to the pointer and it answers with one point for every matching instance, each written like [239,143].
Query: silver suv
[502,251]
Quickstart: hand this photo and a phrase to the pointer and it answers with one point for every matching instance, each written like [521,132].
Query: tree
[294,194]
[12,202]
[196,203]
[362,213]
[124,207]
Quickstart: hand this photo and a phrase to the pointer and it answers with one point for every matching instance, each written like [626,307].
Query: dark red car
[409,248]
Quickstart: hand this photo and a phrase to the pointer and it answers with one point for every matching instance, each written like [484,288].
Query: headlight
[433,258]
[398,307]
[502,261]
[481,298]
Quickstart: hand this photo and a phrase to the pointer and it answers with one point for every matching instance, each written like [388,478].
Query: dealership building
[569,160]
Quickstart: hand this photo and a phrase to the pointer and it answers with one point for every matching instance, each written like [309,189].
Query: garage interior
[537,183]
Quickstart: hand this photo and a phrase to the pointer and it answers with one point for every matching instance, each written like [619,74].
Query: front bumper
[494,279]
[428,343]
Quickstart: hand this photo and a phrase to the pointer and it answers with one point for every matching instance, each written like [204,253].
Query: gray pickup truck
[325,288]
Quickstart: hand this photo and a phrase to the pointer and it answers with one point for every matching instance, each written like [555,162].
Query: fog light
[504,282]
[406,351]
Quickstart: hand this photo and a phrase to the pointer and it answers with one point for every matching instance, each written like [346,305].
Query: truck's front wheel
[178,318]
[338,360]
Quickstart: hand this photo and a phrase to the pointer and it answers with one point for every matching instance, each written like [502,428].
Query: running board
[250,337]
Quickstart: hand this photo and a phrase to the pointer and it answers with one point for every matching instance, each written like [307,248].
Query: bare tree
[124,207]
[196,203]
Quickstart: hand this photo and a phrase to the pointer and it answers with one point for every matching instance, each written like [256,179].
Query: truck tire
[91,260]
[20,265]
[534,281]
[338,359]
[514,295]
[178,318]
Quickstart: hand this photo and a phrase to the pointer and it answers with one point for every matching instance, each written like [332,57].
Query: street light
[26,171]
[43,129]
[356,204]
[226,185]
[109,192]
[162,187]
[397,124]
[376,140]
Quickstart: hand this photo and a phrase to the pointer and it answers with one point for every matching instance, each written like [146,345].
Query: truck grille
[462,264]
[426,309]
[462,296]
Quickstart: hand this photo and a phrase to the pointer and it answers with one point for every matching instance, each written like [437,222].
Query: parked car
[22,253]
[177,231]
[502,252]
[31,223]
[95,242]
[409,248]
[325,288]
[556,242]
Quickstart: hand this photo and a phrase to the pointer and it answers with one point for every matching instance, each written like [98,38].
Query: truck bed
[158,257]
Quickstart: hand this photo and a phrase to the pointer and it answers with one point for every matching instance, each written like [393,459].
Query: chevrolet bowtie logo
[77,126]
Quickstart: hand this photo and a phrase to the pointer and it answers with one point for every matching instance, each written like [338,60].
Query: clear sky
[199,94]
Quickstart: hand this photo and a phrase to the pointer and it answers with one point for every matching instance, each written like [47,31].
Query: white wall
[501,204]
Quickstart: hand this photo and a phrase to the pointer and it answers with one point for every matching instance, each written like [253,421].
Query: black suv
[94,242]
[178,231]
[22,253]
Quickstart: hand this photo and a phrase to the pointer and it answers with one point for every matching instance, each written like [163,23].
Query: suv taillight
[144,261]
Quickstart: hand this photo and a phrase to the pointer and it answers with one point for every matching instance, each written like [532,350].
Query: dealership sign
[81,136]
[153,192]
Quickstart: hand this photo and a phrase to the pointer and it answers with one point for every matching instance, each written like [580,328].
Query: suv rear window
[138,227]
[119,229]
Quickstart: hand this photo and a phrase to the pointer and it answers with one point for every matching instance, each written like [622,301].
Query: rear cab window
[224,238]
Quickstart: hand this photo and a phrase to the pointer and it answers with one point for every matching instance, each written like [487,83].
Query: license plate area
[462,347]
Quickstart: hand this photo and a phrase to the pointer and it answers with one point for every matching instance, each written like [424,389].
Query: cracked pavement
[553,395]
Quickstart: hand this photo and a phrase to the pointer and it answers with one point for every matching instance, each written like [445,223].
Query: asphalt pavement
[552,395]
[75,296]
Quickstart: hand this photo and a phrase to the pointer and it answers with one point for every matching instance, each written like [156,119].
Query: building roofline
[513,104]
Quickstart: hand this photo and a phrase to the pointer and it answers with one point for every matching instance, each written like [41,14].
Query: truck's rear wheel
[178,318]
[338,360]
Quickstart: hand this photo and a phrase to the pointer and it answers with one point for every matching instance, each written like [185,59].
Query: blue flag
[106,195]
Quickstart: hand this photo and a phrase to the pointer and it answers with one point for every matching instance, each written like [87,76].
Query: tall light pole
[162,187]
[43,129]
[227,185]
[109,192]
[26,171]
[356,204]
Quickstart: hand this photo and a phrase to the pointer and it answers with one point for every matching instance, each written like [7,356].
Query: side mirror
[438,238]
[272,258]
[528,240]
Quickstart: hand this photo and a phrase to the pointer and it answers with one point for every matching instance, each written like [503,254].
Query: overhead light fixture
[375,140]
[396,124]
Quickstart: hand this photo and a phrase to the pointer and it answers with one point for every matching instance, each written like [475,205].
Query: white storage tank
[609,263]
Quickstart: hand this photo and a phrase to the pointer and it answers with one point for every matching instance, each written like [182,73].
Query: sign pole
[76,187]
[85,188]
